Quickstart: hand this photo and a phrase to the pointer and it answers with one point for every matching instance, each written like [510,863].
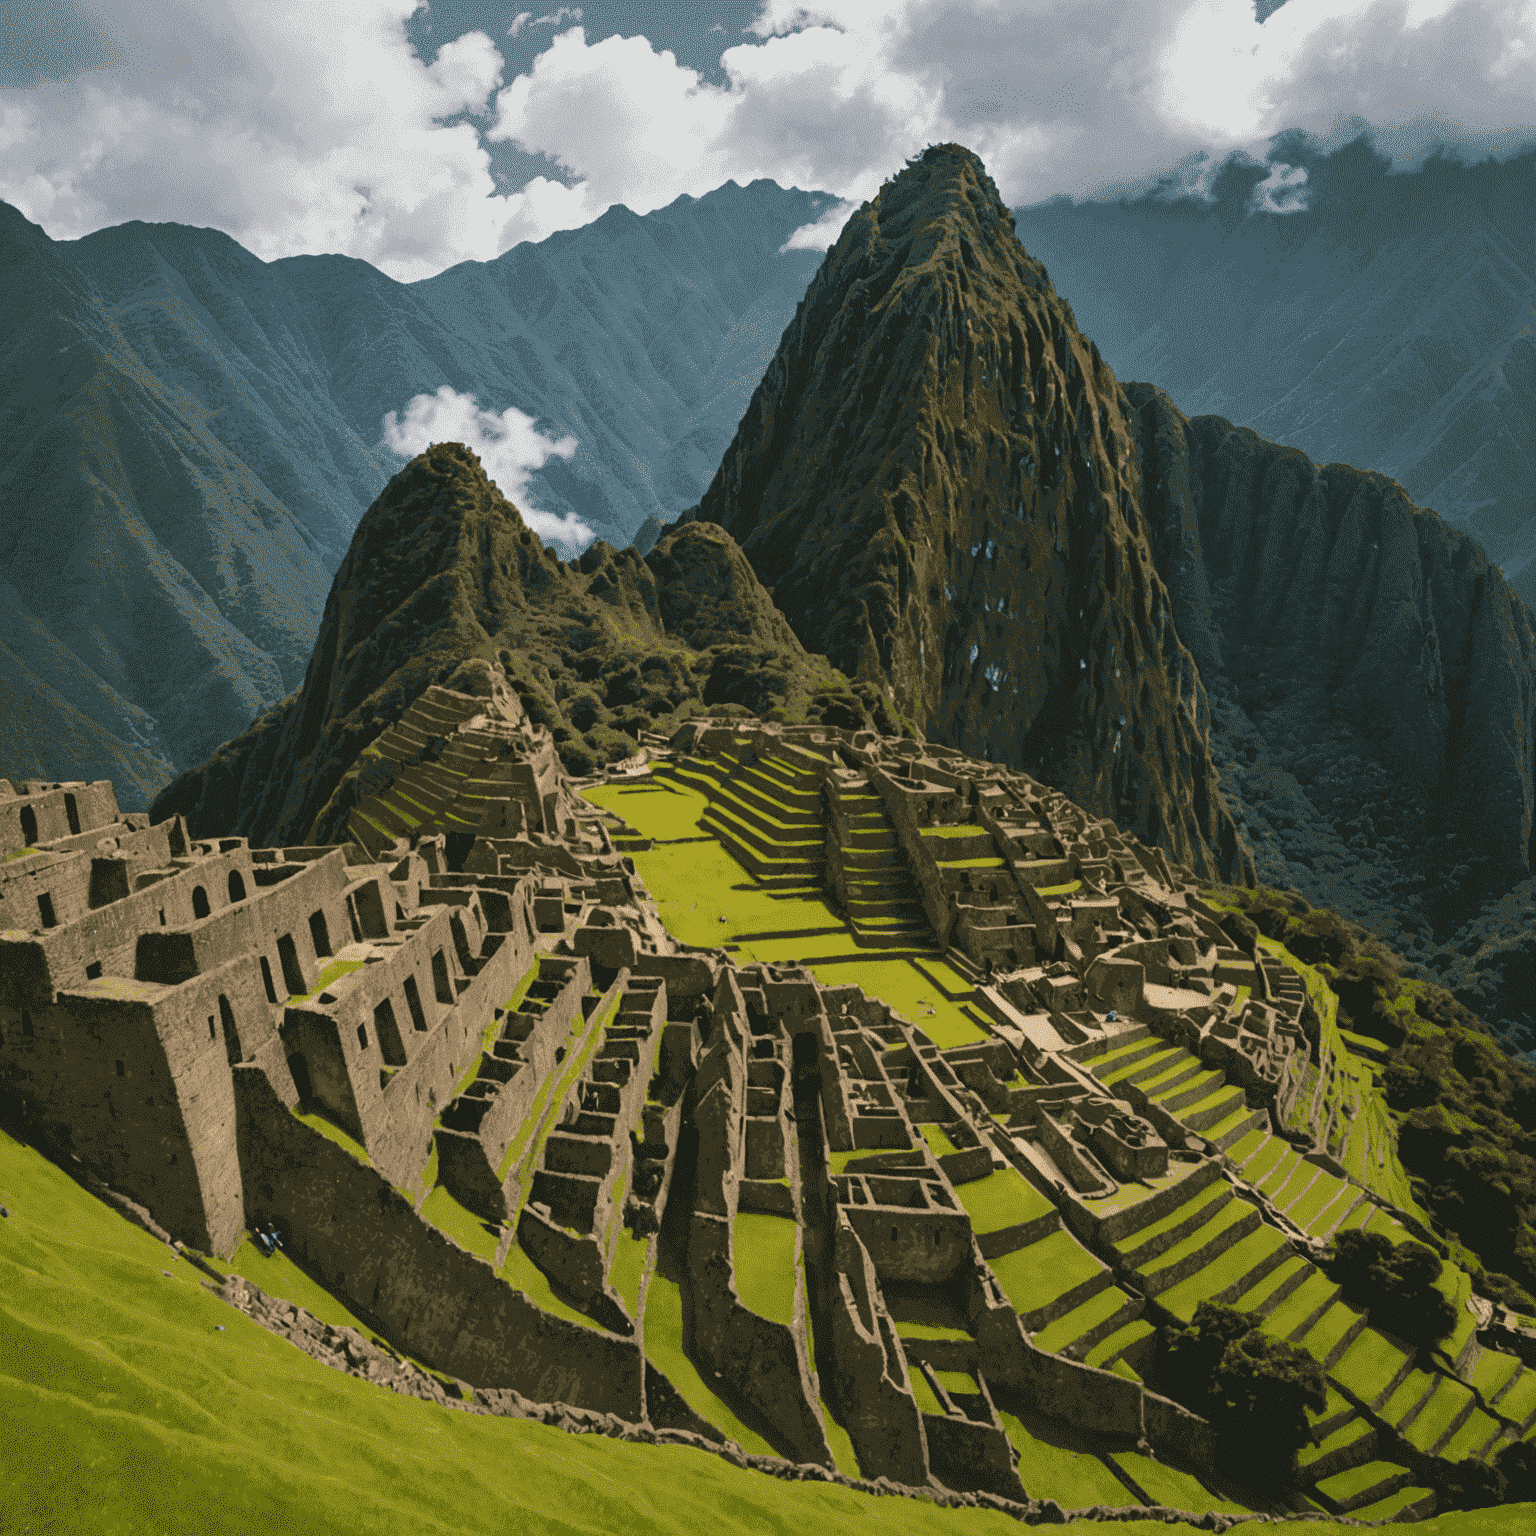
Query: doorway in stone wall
[288,957]
[299,1068]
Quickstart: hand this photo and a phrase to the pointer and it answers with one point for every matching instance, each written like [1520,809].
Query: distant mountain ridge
[207,427]
[1391,325]
[444,575]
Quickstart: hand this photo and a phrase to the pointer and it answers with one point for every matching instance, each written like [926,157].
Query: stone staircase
[884,904]
[767,814]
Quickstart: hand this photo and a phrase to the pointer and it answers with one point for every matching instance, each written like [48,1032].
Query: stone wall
[361,1239]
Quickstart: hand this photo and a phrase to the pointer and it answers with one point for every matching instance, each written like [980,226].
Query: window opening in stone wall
[266,980]
[362,1037]
[213,1033]
[45,910]
[162,917]
[200,907]
[288,958]
[357,927]
[72,814]
[298,1069]
[319,936]
[28,825]
[440,977]
[93,971]
[388,1032]
[231,1034]
[236,886]
[26,1023]
[413,1002]
[120,1069]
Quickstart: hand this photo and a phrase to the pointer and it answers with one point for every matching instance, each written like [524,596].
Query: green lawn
[1081,1320]
[938,1140]
[1264,1159]
[1368,1365]
[1004,1198]
[1438,1414]
[1225,1270]
[168,1425]
[1035,1276]
[463,1226]
[333,1132]
[1206,1201]
[1055,1464]
[664,1348]
[624,1273]
[839,1442]
[901,984]
[1168,1485]
[764,1248]
[665,809]
[961,1382]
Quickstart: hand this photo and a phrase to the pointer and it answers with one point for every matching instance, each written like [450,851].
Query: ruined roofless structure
[519,1128]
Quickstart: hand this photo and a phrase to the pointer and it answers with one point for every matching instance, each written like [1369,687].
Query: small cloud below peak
[822,233]
[509,445]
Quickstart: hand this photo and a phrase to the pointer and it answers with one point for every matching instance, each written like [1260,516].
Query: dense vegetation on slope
[1372,687]
[443,568]
[1465,1110]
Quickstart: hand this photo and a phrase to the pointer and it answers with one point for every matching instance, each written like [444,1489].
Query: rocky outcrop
[1372,680]
[443,570]
[936,481]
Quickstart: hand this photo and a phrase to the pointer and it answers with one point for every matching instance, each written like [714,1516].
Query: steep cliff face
[1386,325]
[1372,680]
[936,481]
[442,568]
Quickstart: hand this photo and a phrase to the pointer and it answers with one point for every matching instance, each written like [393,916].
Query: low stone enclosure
[544,1147]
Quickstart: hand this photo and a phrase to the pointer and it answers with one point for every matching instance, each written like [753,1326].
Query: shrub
[1254,1389]
[1396,1282]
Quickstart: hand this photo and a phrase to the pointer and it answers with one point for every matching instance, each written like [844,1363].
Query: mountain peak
[937,480]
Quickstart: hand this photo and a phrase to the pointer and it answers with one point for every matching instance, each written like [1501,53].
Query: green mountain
[601,997]
[1257,663]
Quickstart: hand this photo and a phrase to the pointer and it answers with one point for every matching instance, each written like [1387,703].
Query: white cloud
[297,127]
[290,126]
[822,235]
[510,449]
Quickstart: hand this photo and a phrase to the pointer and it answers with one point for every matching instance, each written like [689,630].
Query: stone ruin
[475,993]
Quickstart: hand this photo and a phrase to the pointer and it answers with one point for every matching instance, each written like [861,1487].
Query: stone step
[1230,1222]
[1351,1445]
[1237,1270]
[1349,1490]
[1151,1241]
[1212,1109]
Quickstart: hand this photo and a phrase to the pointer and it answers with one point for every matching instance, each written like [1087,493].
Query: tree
[1396,1282]
[1254,1389]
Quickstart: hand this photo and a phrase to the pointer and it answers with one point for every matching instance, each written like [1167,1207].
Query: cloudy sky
[417,135]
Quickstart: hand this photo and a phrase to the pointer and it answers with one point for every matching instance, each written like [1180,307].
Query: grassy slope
[1458,1108]
[164,1434]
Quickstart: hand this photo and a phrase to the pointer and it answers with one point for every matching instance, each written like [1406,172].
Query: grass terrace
[764,1250]
[1002,1198]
